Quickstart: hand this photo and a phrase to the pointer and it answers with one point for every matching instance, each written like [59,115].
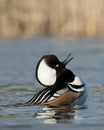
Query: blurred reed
[28,18]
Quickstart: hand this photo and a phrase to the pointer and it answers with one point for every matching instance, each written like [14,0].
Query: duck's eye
[57,65]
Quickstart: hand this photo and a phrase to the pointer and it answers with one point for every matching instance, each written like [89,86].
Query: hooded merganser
[62,87]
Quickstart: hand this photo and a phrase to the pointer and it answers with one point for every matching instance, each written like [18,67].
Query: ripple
[17,70]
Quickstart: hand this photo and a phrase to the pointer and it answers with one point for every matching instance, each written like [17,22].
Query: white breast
[77,81]
[45,74]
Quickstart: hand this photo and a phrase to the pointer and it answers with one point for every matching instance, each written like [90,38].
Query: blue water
[18,59]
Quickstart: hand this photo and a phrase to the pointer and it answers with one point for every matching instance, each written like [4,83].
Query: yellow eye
[57,65]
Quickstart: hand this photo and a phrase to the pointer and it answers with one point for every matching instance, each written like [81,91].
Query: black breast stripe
[77,86]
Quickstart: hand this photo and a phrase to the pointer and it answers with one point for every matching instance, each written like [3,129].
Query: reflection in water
[53,115]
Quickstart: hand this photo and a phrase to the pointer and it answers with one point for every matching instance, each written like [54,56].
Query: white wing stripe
[56,95]
[46,99]
[38,96]
[52,98]
[44,96]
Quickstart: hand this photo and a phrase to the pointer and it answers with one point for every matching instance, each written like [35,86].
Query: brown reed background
[29,18]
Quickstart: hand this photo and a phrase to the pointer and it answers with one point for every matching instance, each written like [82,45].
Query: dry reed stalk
[26,18]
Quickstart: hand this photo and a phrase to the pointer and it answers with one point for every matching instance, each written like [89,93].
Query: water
[18,59]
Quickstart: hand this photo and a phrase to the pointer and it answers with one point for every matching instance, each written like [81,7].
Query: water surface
[18,59]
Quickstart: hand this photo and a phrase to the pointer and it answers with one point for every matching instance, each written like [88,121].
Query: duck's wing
[43,96]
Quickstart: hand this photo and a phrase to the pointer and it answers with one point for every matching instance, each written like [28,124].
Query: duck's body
[62,87]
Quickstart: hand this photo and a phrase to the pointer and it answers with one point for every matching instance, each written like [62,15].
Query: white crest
[45,74]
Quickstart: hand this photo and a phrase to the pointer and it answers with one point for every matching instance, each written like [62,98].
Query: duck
[61,86]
